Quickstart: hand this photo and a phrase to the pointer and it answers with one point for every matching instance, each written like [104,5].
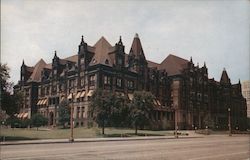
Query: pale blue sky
[213,31]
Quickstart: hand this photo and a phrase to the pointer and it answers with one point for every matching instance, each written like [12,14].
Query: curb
[91,140]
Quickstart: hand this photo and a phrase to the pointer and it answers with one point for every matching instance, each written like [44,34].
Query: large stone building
[184,92]
[246,94]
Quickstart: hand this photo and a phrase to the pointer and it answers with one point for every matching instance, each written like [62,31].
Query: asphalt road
[220,147]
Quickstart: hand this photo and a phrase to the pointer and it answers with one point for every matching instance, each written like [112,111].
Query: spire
[55,56]
[224,77]
[191,60]
[136,35]
[136,48]
[120,40]
[23,64]
[82,40]
[204,65]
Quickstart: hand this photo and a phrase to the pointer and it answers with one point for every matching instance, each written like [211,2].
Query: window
[119,82]
[61,88]
[71,83]
[82,81]
[27,92]
[107,80]
[92,80]
[82,60]
[130,84]
[42,91]
[106,61]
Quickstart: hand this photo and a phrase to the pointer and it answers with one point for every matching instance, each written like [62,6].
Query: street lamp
[176,123]
[70,98]
[229,122]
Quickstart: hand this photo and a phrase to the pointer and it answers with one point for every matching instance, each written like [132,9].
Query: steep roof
[153,64]
[224,77]
[73,58]
[36,74]
[173,64]
[102,50]
[136,47]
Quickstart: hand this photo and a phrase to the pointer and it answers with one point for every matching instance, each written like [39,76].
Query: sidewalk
[77,140]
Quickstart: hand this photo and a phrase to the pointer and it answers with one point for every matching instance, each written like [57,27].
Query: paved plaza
[219,147]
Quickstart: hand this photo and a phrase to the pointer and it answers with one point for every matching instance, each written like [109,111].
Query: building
[246,94]
[184,92]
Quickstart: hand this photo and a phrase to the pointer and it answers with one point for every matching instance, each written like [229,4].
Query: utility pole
[176,123]
[229,122]
[71,139]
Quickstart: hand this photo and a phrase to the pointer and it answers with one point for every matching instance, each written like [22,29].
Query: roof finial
[224,69]
[136,35]
[23,63]
[82,40]
[120,40]
[205,64]
[55,54]
[191,60]
[239,81]
[198,64]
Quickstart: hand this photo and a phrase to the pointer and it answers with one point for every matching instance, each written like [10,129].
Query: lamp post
[229,122]
[71,138]
[176,123]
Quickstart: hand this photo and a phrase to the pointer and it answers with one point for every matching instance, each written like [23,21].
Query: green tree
[119,111]
[140,109]
[11,103]
[63,113]
[101,107]
[38,120]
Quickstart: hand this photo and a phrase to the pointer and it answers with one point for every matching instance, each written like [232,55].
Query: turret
[224,77]
[136,58]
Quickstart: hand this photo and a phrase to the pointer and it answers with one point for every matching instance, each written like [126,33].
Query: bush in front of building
[38,120]
[15,122]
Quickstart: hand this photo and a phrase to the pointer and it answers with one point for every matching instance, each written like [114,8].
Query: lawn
[45,133]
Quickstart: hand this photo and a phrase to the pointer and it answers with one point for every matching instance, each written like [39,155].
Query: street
[219,147]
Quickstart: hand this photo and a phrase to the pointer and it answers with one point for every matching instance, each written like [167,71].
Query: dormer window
[106,61]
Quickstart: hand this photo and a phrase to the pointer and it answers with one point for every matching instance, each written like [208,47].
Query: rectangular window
[119,82]
[107,80]
[71,83]
[130,84]
[82,82]
[92,80]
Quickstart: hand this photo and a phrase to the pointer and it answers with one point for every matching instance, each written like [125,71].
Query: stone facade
[183,91]
[246,94]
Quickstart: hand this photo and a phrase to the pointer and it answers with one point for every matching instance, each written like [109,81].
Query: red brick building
[183,91]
